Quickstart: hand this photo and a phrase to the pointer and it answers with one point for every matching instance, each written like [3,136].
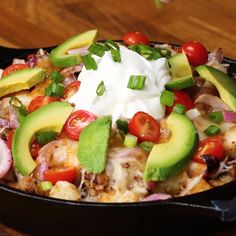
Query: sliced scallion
[101,88]
[46,185]
[216,116]
[45,137]
[146,146]
[122,125]
[130,141]
[56,77]
[48,90]
[179,108]
[58,89]
[167,98]
[89,62]
[212,130]
[19,107]
[97,49]
[115,55]
[112,45]
[136,82]
[164,52]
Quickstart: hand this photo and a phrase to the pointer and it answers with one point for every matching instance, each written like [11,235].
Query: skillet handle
[227,209]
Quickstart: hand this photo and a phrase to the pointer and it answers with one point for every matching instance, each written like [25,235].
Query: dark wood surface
[40,23]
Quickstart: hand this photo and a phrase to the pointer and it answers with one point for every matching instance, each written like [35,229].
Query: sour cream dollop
[118,100]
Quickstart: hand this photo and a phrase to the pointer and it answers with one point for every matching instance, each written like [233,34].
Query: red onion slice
[5,159]
[229,116]
[82,51]
[157,197]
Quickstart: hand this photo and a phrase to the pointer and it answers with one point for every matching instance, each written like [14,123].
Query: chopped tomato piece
[40,101]
[209,146]
[10,139]
[60,174]
[13,68]
[133,38]
[183,98]
[145,127]
[76,122]
[71,89]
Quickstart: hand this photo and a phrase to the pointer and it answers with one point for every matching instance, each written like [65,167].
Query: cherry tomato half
[209,146]
[40,101]
[133,38]
[10,139]
[195,52]
[77,122]
[13,68]
[145,127]
[183,98]
[60,174]
[71,89]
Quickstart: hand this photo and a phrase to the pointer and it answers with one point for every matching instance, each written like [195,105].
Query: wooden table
[41,23]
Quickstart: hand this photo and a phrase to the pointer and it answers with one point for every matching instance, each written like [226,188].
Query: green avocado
[20,80]
[59,55]
[93,145]
[167,159]
[225,85]
[181,72]
[50,117]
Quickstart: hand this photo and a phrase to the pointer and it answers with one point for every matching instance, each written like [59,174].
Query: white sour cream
[118,100]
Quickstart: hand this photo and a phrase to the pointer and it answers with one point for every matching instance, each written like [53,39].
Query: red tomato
[209,146]
[34,149]
[71,89]
[60,174]
[10,139]
[183,98]
[40,101]
[145,127]
[77,122]
[13,68]
[196,53]
[133,38]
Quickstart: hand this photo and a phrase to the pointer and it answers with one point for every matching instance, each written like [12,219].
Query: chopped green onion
[101,89]
[136,82]
[165,52]
[58,89]
[19,107]
[46,185]
[56,77]
[115,55]
[97,49]
[212,130]
[112,45]
[130,140]
[167,98]
[146,146]
[46,137]
[122,125]
[179,108]
[89,62]
[216,116]
[48,90]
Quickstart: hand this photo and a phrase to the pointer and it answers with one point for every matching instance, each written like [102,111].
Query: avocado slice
[59,56]
[20,80]
[50,117]
[225,85]
[181,72]
[93,145]
[167,159]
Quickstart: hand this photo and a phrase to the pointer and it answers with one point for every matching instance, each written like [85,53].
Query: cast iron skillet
[43,215]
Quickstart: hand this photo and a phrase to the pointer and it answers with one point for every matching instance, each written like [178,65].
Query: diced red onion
[4,123]
[82,51]
[157,197]
[5,158]
[229,116]
[13,120]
